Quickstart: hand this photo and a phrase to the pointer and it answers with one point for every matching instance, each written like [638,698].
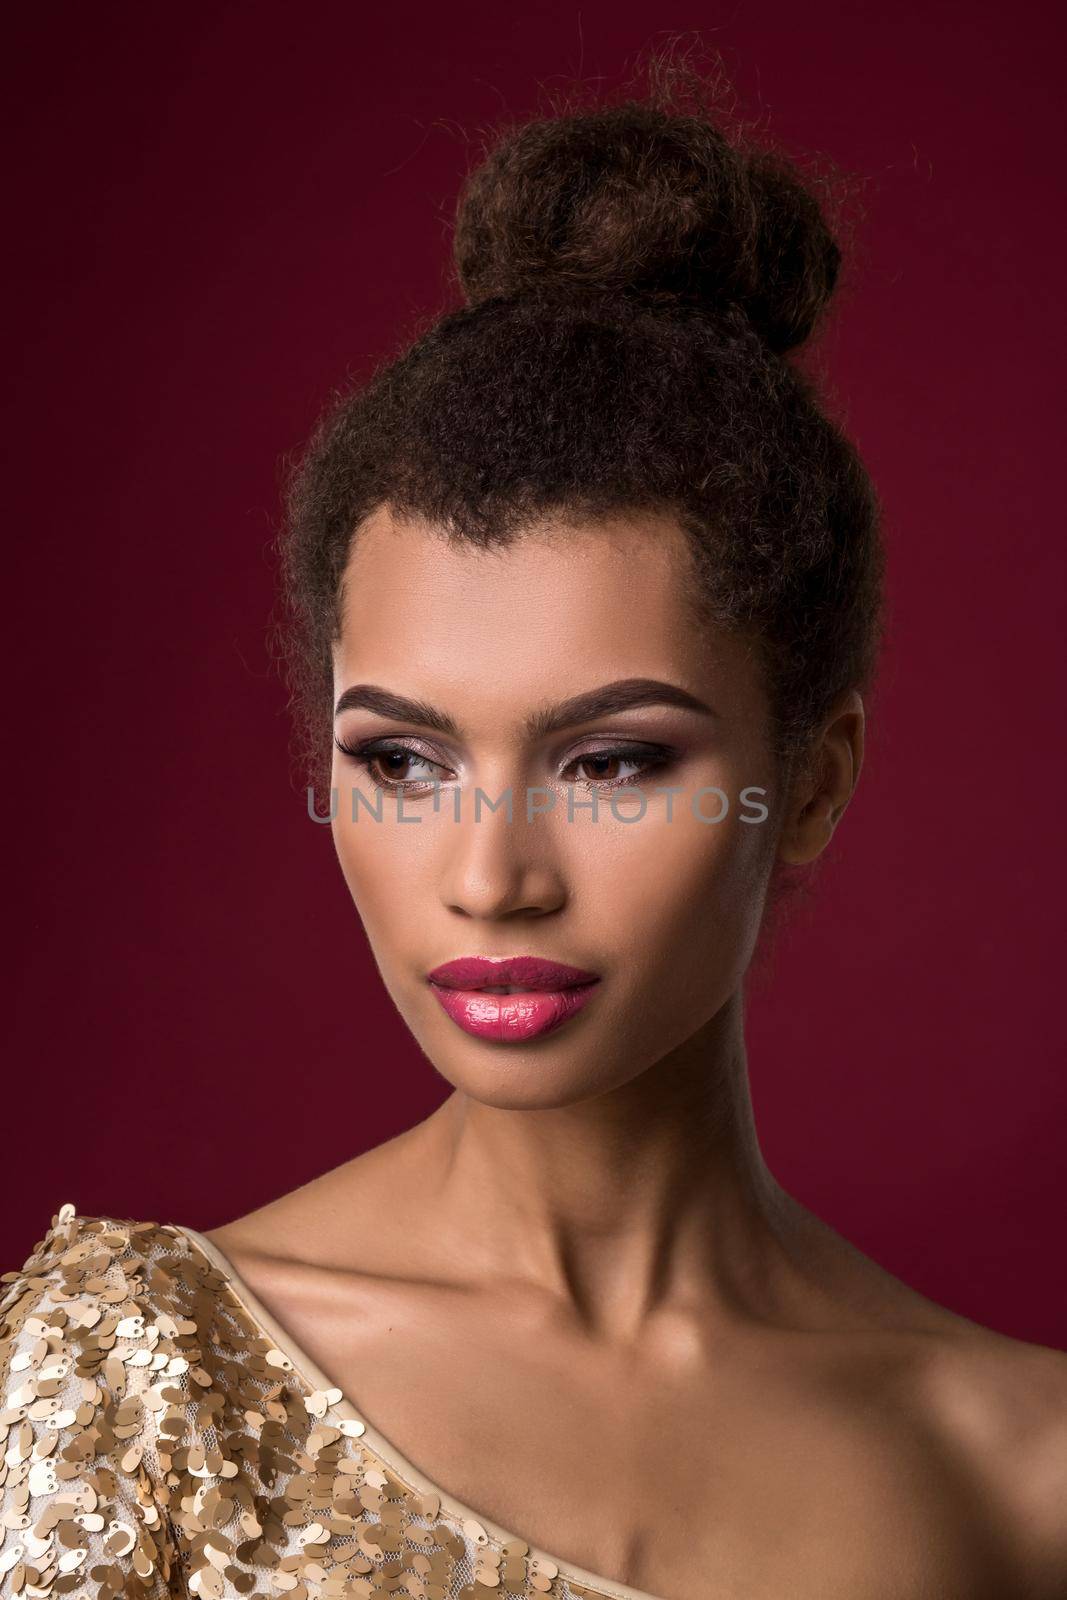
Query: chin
[536,1076]
[519,1086]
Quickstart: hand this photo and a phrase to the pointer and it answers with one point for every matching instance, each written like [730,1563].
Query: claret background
[218,212]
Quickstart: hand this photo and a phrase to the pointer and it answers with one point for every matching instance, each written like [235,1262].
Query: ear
[822,790]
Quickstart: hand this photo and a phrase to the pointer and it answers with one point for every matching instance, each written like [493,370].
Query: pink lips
[548,993]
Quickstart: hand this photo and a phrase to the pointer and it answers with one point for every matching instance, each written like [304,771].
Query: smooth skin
[575,1296]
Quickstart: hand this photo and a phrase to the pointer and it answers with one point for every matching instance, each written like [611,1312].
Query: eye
[606,766]
[389,765]
[397,768]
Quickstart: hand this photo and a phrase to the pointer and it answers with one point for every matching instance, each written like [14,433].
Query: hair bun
[640,200]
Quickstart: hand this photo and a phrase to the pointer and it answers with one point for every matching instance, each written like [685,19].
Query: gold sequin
[155,1442]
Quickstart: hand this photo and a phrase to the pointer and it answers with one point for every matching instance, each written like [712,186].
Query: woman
[586,588]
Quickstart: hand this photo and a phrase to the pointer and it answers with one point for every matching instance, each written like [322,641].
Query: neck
[649,1198]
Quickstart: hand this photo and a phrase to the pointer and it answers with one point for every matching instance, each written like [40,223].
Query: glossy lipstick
[545,994]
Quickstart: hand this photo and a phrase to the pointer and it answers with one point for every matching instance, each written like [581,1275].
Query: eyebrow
[623,695]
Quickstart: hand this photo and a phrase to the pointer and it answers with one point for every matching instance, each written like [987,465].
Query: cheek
[678,903]
[388,867]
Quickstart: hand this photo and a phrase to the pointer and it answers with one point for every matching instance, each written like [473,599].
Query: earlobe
[829,778]
[807,835]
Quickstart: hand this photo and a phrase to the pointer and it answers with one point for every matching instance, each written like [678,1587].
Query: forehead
[561,602]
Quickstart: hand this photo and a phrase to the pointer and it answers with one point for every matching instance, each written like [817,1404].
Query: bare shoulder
[994,1408]
[999,1405]
[347,1219]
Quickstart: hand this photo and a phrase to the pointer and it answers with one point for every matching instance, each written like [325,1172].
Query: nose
[495,867]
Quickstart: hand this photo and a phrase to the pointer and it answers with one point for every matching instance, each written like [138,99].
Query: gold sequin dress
[163,1435]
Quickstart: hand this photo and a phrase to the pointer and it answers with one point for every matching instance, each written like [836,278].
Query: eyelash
[652,756]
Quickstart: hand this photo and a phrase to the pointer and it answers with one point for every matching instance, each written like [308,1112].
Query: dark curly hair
[635,276]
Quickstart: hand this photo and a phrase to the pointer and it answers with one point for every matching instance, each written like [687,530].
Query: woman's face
[656,898]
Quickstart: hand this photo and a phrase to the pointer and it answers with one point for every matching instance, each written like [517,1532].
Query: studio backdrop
[220,213]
